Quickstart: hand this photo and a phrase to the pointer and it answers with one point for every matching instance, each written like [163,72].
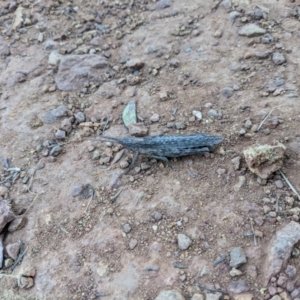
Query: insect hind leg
[163,158]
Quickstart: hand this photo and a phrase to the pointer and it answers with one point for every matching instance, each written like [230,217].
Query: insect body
[161,147]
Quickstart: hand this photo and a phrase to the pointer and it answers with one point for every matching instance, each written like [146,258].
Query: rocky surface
[213,226]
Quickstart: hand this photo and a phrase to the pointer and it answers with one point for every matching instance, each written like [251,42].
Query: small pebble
[77,190]
[184,242]
[80,117]
[55,150]
[154,118]
[278,184]
[126,228]
[180,125]
[212,113]
[132,243]
[60,134]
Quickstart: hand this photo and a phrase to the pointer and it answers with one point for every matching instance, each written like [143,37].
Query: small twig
[264,120]
[61,228]
[277,204]
[254,237]
[261,87]
[215,7]
[2,108]
[30,182]
[175,111]
[114,198]
[19,258]
[92,196]
[36,195]
[191,174]
[106,123]
[203,287]
[290,185]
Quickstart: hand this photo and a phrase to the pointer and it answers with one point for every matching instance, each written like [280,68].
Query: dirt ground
[193,53]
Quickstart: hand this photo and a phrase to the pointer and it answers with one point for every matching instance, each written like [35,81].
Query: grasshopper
[162,147]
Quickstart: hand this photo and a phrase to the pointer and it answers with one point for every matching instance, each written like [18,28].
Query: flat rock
[278,58]
[251,30]
[197,297]
[280,249]
[243,296]
[135,64]
[138,129]
[214,296]
[13,250]
[17,224]
[75,70]
[51,115]
[108,90]
[169,295]
[237,287]
[6,214]
[263,160]
[237,257]
[54,57]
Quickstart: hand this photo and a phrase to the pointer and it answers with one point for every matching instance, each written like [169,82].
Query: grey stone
[212,113]
[60,111]
[144,166]
[54,57]
[80,117]
[157,215]
[152,268]
[278,58]
[234,15]
[251,30]
[197,297]
[227,92]
[236,161]
[282,281]
[180,125]
[150,49]
[6,214]
[169,295]
[280,248]
[290,271]
[8,263]
[215,296]
[237,287]
[278,183]
[184,241]
[49,118]
[75,70]
[132,243]
[55,150]
[295,293]
[135,64]
[96,155]
[138,129]
[126,228]
[60,134]
[267,39]
[66,125]
[174,63]
[248,124]
[237,257]
[96,41]
[162,4]
[77,190]
[13,250]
